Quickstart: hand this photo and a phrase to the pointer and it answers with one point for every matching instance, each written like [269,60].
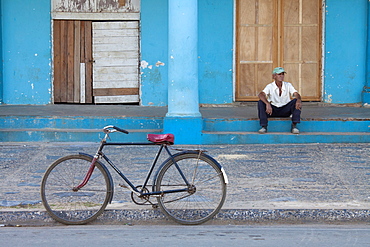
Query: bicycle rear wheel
[75,207]
[206,194]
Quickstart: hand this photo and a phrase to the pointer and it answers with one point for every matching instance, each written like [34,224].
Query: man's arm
[298,105]
[263,98]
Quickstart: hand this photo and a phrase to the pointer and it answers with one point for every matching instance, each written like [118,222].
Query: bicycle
[190,186]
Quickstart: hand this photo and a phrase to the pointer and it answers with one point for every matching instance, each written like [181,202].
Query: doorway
[272,33]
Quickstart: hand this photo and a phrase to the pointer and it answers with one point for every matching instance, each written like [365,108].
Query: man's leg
[262,114]
[296,114]
[287,110]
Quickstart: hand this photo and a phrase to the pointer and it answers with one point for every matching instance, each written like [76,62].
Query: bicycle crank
[141,200]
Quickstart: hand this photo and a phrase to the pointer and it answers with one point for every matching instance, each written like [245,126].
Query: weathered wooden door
[273,33]
[116,62]
[72,61]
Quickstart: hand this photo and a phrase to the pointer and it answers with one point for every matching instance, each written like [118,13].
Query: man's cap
[278,70]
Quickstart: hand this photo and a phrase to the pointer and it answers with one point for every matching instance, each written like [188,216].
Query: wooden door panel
[72,61]
[116,56]
[309,16]
[308,70]
[247,74]
[254,46]
[292,44]
[310,44]
[70,39]
[265,45]
[291,11]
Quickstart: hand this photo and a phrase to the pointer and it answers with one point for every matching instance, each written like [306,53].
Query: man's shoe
[263,130]
[295,130]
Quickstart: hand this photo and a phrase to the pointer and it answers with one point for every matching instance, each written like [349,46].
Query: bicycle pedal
[123,186]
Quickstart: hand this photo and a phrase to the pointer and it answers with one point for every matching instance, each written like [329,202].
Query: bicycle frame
[133,188]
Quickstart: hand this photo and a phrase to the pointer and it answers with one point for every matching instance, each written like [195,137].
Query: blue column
[183,117]
[183,99]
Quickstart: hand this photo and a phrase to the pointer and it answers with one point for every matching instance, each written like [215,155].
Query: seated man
[275,101]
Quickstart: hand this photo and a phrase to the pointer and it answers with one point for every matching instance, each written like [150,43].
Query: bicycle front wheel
[205,193]
[75,207]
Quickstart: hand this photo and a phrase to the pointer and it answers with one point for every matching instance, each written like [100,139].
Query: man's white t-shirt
[272,93]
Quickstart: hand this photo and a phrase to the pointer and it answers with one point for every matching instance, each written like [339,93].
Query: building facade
[120,51]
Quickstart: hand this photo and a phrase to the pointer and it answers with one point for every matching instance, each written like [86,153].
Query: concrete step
[284,125]
[71,129]
[244,131]
[281,137]
[79,122]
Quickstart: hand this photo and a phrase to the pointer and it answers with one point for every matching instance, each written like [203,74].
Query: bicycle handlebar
[106,129]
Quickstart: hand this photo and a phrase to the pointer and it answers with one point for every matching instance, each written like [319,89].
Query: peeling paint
[144,64]
[329,98]
[159,63]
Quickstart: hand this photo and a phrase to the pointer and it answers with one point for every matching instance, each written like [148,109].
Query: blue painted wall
[154,52]
[345,50]
[215,51]
[26,52]
[215,48]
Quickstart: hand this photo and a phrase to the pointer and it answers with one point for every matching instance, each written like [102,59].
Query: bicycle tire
[205,174]
[75,207]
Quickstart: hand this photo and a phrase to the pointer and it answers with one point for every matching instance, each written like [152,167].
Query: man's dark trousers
[284,111]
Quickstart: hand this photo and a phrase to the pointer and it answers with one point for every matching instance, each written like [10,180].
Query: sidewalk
[267,183]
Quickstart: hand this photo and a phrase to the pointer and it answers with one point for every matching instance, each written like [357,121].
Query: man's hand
[268,109]
[262,96]
[298,104]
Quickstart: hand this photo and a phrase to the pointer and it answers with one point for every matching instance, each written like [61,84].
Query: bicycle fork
[88,174]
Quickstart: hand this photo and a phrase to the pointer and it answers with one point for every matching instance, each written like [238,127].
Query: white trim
[95,16]
[82,83]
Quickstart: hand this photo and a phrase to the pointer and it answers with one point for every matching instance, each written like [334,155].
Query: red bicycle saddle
[165,138]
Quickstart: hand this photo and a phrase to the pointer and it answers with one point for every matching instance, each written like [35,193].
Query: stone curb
[227,216]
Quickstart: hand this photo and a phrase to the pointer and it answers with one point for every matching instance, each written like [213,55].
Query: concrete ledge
[227,216]
[210,138]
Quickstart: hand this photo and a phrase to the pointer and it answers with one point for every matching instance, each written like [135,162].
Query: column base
[187,130]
